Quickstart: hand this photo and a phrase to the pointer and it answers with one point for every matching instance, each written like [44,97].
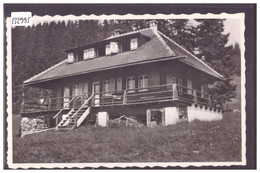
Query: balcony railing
[151,94]
[159,93]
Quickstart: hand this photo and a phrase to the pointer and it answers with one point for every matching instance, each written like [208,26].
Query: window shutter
[133,44]
[103,86]
[154,79]
[168,78]
[108,50]
[112,85]
[114,47]
[86,54]
[70,58]
[119,83]
[85,88]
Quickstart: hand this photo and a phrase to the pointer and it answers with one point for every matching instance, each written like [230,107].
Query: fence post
[148,117]
[124,99]
[174,92]
[23,97]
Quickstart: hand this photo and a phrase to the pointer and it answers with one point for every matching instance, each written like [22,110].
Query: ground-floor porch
[156,105]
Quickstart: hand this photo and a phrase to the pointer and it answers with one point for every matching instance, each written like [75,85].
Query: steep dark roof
[158,48]
[190,59]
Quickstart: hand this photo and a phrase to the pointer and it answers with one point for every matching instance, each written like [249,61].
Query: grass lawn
[185,142]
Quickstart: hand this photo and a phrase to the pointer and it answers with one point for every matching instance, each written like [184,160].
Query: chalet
[142,74]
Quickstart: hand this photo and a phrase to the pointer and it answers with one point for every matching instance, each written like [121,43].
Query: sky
[232,26]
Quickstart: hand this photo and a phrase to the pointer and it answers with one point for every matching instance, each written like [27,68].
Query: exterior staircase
[75,117]
[68,121]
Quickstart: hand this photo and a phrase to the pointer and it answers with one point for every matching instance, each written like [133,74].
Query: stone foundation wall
[204,113]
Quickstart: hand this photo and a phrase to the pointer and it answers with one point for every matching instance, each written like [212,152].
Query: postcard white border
[10,163]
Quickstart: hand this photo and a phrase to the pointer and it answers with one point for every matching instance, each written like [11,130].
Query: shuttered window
[130,84]
[133,44]
[108,87]
[114,47]
[70,57]
[89,53]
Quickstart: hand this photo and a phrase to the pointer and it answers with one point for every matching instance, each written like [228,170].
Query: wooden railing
[67,105]
[53,104]
[159,93]
[151,94]
[82,106]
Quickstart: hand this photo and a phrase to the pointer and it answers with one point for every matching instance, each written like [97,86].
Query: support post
[148,117]
[57,120]
[49,105]
[174,92]
[195,97]
[124,99]
[210,101]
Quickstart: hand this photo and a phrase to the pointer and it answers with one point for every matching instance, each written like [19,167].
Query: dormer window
[133,44]
[108,51]
[89,53]
[114,47]
[70,57]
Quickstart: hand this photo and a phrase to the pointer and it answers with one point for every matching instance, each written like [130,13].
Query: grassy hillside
[184,142]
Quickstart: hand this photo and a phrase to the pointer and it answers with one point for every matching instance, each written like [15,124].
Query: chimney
[117,32]
[153,24]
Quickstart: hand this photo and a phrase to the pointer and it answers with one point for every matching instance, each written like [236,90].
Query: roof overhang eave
[101,69]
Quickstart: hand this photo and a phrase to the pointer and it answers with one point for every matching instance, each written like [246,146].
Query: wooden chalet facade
[137,73]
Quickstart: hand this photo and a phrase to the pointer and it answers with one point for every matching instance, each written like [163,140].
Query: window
[92,53]
[143,82]
[86,54]
[89,53]
[70,57]
[180,85]
[106,86]
[133,44]
[130,84]
[114,47]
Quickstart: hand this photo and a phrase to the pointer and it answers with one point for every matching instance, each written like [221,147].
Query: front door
[66,97]
[77,90]
[96,89]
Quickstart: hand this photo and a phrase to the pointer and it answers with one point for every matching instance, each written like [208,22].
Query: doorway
[96,89]
[66,97]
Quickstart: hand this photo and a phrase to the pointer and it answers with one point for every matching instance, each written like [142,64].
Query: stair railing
[64,107]
[81,108]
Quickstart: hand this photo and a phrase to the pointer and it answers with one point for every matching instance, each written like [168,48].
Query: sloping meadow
[185,142]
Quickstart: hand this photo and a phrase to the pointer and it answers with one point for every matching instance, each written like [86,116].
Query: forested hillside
[36,48]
